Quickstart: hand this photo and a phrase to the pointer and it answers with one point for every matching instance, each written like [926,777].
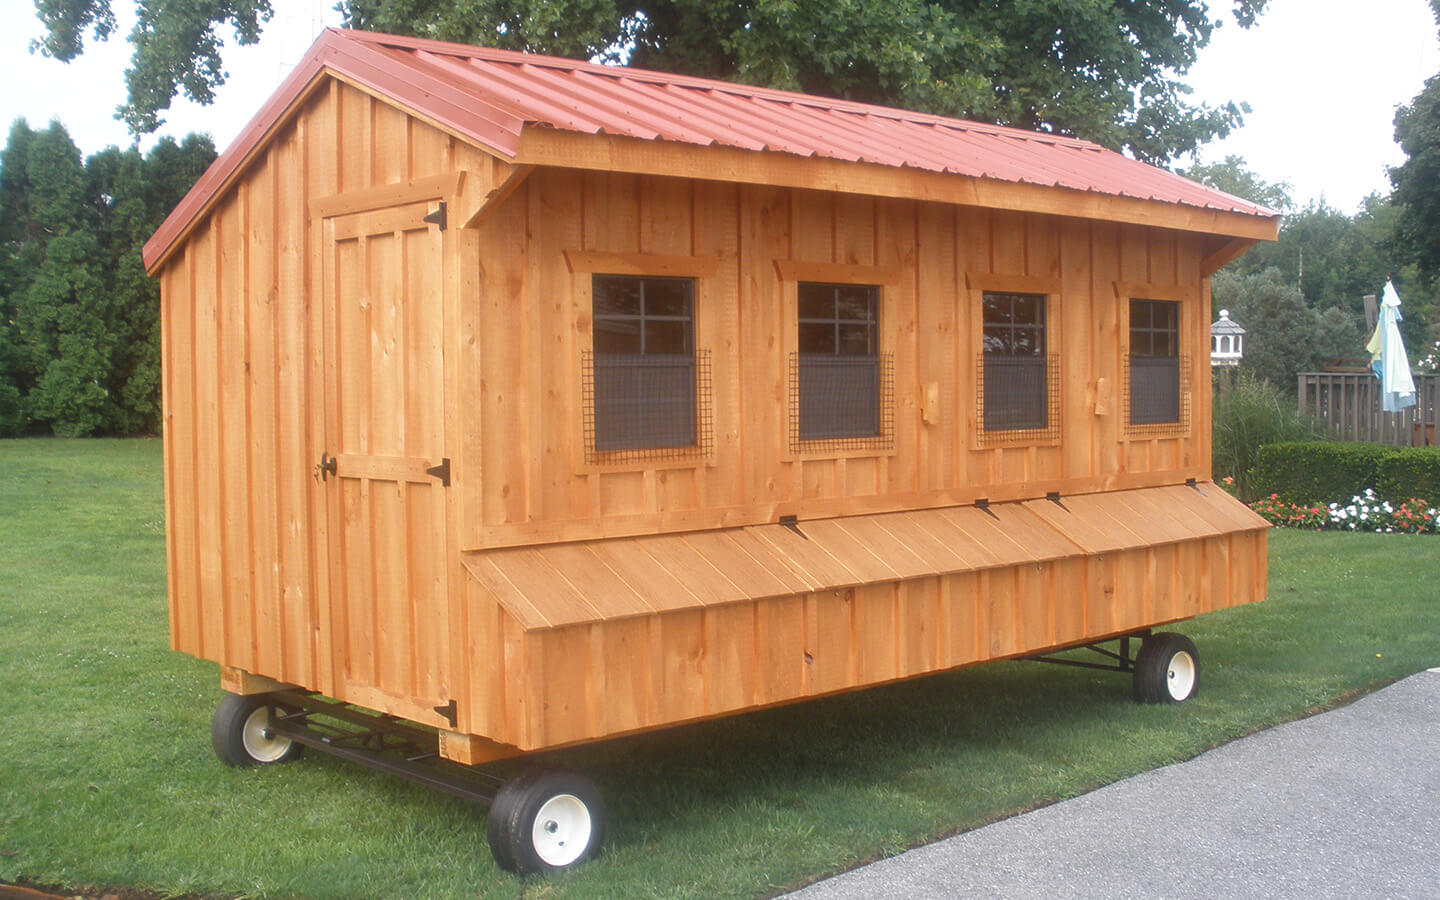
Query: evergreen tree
[79,317]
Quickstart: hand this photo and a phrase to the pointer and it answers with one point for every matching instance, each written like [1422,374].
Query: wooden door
[386,469]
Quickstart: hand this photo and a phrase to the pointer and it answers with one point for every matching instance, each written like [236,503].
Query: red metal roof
[492,96]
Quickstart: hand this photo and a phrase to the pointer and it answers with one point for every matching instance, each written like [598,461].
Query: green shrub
[1315,472]
[1250,414]
[1410,472]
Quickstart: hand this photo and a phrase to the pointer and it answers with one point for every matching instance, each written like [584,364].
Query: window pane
[1015,393]
[817,301]
[644,402]
[1140,343]
[997,339]
[839,397]
[1028,341]
[1154,390]
[664,336]
[616,295]
[856,302]
[817,338]
[855,340]
[617,335]
[1029,309]
[667,297]
[995,308]
[1139,314]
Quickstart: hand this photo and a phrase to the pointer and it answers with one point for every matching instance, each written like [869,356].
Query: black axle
[379,741]
[1123,661]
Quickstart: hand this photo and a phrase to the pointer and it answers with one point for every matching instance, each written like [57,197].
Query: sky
[1322,77]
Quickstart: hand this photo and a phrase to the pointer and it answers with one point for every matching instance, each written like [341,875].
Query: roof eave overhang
[355,63]
[566,149]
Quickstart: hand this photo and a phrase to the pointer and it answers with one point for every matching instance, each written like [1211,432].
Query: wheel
[1167,669]
[545,821]
[241,732]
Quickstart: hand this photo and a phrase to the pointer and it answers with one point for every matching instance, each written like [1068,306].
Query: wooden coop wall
[528,481]
[261,576]
[612,677]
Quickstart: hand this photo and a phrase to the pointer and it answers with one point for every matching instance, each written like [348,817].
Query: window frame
[1186,300]
[584,266]
[977,285]
[886,280]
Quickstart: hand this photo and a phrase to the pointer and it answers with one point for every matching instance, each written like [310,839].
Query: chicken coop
[513,402]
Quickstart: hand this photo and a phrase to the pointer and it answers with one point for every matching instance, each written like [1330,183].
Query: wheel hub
[562,830]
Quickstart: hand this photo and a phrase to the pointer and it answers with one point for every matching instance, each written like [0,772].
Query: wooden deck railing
[1349,406]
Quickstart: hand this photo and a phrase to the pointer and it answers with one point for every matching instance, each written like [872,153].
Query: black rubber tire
[1161,669]
[514,811]
[227,731]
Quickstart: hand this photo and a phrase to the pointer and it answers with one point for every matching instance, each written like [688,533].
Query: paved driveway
[1343,804]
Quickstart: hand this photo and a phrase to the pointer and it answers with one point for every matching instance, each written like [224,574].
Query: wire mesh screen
[842,402]
[1157,394]
[646,406]
[1018,398]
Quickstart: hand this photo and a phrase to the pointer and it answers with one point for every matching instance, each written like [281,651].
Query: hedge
[1314,472]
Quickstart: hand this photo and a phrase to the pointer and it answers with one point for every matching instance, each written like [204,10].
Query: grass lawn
[107,778]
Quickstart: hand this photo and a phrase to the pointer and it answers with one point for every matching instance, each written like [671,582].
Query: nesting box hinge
[450,711]
[793,523]
[1054,497]
[441,472]
[983,504]
[438,216]
[1190,482]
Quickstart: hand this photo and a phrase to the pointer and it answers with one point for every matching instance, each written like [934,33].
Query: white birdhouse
[1227,341]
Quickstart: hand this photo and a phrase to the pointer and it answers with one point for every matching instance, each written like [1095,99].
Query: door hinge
[438,216]
[449,711]
[441,472]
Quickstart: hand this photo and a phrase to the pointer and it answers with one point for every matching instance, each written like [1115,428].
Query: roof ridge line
[838,104]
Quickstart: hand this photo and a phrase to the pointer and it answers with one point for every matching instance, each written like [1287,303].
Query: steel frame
[1123,661]
[378,741]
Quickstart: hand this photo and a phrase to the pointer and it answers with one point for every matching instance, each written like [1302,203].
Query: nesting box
[540,402]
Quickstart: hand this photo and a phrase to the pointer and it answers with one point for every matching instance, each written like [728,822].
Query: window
[1154,363]
[837,377]
[1014,366]
[642,376]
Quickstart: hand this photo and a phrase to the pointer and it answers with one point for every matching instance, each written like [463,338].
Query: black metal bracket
[327,466]
[438,216]
[441,472]
[1123,661]
[1054,497]
[379,741]
[450,711]
[1190,482]
[793,523]
[983,504]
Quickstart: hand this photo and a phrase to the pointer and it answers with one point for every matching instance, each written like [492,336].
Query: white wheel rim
[259,742]
[562,830]
[1180,675]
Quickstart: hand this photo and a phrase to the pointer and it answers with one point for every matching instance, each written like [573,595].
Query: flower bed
[1364,512]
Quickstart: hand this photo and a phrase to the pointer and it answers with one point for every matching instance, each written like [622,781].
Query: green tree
[79,336]
[1232,176]
[1284,335]
[1106,70]
[1417,180]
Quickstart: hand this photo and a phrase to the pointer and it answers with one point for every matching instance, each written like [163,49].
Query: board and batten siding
[539,249]
[249,408]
